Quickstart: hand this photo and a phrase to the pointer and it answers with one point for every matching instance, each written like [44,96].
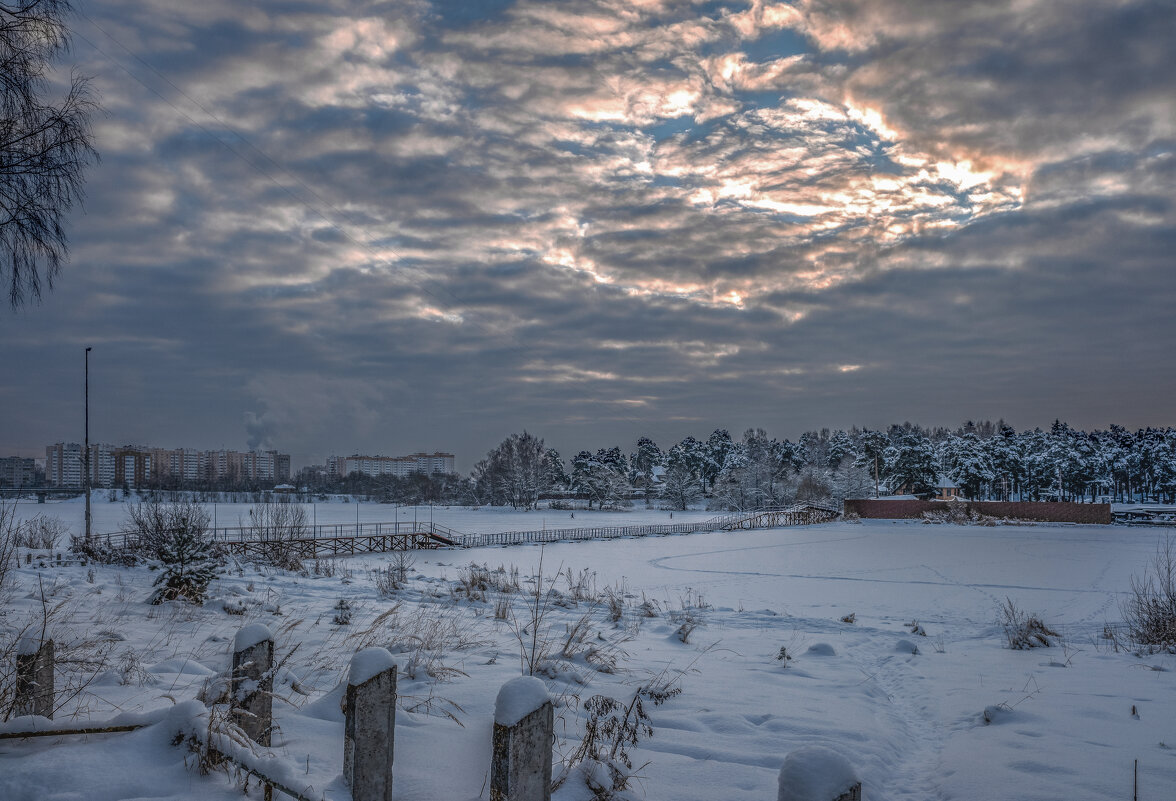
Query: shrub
[1023,630]
[611,728]
[1150,607]
[153,526]
[41,532]
[186,558]
[279,527]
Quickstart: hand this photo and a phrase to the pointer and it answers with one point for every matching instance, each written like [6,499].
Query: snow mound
[821,649]
[251,635]
[519,698]
[997,713]
[906,647]
[814,773]
[188,667]
[369,663]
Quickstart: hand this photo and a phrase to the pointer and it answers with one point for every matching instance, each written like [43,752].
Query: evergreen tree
[642,466]
[186,559]
[840,447]
[718,445]
[1004,454]
[556,476]
[969,464]
[871,452]
[910,464]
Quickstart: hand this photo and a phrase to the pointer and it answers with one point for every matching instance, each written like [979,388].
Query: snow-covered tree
[557,477]
[1006,458]
[910,463]
[718,445]
[514,473]
[871,454]
[601,477]
[840,448]
[183,551]
[643,464]
[968,464]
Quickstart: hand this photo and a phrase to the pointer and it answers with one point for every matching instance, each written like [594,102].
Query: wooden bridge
[348,539]
[801,514]
[795,515]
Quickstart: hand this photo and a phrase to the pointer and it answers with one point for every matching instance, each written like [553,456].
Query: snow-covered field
[906,710]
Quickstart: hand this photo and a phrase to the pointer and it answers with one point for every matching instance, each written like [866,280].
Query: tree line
[987,461]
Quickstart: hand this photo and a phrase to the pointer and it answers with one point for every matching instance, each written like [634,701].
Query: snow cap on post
[519,698]
[814,773]
[369,663]
[251,635]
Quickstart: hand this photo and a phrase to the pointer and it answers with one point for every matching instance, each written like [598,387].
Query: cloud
[406,226]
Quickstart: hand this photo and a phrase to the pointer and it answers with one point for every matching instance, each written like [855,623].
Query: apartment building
[17,471]
[341,466]
[63,465]
[139,466]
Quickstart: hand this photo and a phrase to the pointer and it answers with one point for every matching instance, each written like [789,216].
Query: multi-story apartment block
[102,458]
[63,465]
[17,471]
[133,467]
[433,462]
[341,466]
[282,466]
[136,466]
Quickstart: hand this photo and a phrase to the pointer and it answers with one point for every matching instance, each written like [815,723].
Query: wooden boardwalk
[349,539]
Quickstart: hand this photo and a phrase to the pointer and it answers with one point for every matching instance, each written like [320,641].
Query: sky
[340,227]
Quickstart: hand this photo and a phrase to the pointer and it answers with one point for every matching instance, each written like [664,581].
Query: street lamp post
[86,460]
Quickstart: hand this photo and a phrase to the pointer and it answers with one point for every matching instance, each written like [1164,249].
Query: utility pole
[86,460]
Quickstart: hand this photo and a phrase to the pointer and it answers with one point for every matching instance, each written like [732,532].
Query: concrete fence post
[34,677]
[523,733]
[813,773]
[369,709]
[252,683]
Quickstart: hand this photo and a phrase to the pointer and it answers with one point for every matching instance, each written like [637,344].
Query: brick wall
[1094,513]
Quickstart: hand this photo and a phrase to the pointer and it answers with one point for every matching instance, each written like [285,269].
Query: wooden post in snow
[34,677]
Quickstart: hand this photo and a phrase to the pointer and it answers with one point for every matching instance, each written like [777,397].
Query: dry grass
[1023,630]
[1150,607]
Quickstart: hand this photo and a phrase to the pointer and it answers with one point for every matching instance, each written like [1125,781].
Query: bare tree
[279,527]
[44,148]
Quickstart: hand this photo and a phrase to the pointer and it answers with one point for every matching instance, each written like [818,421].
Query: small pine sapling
[185,557]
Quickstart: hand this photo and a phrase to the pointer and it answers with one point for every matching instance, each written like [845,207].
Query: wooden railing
[337,539]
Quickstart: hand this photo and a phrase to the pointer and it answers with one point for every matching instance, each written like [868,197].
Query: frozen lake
[906,710]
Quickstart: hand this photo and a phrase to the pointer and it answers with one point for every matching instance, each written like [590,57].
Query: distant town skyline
[393,228]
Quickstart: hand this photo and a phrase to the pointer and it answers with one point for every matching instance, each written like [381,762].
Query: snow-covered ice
[1065,723]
